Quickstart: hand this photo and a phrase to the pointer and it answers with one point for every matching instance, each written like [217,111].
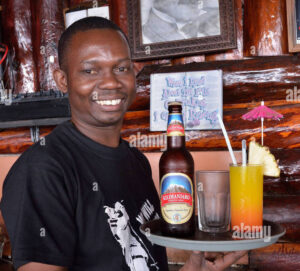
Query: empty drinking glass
[213,200]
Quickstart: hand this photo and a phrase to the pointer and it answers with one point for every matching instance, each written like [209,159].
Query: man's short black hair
[82,25]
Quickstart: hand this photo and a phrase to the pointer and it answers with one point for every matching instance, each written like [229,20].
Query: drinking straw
[226,139]
[244,157]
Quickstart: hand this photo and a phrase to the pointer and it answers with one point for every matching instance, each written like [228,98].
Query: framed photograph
[166,28]
[293,23]
[95,8]
[200,92]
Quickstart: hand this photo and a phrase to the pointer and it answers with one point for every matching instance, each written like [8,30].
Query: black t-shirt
[70,201]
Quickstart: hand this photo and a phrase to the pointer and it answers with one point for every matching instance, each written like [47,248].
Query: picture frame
[99,8]
[208,27]
[293,24]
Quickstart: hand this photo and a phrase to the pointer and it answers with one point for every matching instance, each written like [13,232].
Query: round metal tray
[203,241]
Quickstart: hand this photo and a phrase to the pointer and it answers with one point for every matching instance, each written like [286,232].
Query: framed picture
[293,23]
[200,92]
[165,28]
[95,8]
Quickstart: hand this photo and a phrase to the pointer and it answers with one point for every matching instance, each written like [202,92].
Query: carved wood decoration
[120,14]
[49,27]
[188,59]
[265,28]
[17,26]
[73,3]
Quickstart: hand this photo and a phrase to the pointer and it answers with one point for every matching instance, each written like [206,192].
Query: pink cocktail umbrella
[262,112]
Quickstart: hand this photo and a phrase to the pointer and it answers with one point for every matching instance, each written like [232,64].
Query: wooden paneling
[74,3]
[244,81]
[187,59]
[120,14]
[282,186]
[289,161]
[17,26]
[18,140]
[278,257]
[48,29]
[284,210]
[277,134]
[265,28]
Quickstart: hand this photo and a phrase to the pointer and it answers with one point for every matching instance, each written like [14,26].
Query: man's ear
[60,78]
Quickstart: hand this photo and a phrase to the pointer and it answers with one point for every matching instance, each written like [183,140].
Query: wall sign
[200,92]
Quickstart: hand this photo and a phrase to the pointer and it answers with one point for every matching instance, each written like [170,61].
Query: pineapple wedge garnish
[259,154]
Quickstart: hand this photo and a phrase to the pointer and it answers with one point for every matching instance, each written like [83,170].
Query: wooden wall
[259,69]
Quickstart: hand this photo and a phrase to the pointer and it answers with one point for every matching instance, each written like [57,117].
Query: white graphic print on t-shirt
[147,211]
[134,250]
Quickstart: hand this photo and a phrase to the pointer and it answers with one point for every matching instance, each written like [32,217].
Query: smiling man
[77,202]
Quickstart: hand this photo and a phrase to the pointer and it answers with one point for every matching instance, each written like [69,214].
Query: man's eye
[121,69]
[89,71]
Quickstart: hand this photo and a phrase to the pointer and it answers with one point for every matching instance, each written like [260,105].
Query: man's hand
[204,261]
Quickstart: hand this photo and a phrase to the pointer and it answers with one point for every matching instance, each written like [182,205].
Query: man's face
[100,77]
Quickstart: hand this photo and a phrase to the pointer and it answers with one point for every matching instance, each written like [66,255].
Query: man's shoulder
[47,149]
[44,158]
[35,156]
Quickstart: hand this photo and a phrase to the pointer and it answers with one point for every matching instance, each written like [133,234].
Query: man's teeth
[109,102]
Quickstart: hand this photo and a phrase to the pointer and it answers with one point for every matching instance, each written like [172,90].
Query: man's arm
[198,261]
[37,208]
[41,267]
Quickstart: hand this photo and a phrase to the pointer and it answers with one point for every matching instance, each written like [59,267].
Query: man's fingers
[211,256]
[229,259]
[196,258]
[214,260]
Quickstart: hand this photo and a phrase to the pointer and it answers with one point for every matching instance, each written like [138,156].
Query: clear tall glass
[213,200]
[246,196]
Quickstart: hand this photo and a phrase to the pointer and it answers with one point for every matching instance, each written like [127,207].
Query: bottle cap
[174,103]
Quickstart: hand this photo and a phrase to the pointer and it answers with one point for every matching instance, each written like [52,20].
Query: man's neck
[108,136]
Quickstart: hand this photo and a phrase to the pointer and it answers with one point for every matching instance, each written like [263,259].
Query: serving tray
[203,241]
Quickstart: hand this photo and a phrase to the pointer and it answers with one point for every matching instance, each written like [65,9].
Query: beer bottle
[176,172]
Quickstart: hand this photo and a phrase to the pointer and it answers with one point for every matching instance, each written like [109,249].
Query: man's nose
[109,80]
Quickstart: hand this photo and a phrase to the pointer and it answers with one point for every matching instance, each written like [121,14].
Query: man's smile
[109,102]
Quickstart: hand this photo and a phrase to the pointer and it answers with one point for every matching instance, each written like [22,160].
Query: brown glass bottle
[176,172]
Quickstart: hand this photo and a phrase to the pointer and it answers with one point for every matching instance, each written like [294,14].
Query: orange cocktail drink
[246,197]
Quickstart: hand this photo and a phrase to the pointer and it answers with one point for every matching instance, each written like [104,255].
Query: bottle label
[175,125]
[176,200]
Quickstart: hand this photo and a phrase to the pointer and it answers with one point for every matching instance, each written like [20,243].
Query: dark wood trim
[226,39]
